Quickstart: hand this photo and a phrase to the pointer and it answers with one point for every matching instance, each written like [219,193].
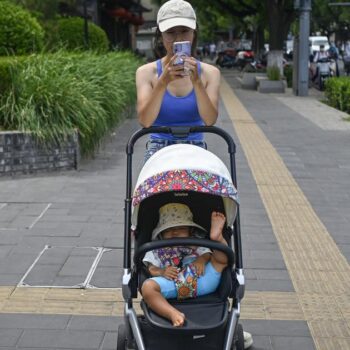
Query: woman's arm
[207,91]
[150,94]
[149,97]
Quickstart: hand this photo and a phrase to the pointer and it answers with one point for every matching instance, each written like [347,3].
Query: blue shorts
[206,283]
[155,145]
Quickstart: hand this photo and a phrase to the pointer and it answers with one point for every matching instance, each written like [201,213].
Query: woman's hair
[159,49]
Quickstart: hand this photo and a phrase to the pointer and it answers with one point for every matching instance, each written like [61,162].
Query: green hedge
[53,93]
[69,33]
[20,33]
[337,93]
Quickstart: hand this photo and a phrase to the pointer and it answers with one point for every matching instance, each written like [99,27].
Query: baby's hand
[199,264]
[170,272]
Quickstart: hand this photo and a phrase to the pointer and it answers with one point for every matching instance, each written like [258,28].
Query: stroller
[188,174]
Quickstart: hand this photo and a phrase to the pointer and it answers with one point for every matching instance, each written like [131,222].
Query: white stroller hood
[185,167]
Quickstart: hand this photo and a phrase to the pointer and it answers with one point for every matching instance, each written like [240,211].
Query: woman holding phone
[171,94]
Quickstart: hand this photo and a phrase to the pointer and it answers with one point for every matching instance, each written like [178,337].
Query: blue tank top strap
[159,68]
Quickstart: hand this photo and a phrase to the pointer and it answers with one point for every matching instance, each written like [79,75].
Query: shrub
[53,93]
[337,93]
[20,33]
[8,66]
[273,73]
[69,33]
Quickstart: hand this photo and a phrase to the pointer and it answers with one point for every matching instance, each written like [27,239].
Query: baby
[182,272]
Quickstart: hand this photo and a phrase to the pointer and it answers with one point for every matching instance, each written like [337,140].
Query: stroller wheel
[121,341]
[238,340]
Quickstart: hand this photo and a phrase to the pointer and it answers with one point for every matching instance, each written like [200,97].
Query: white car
[316,41]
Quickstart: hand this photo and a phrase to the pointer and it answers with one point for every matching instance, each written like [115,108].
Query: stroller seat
[203,313]
[199,317]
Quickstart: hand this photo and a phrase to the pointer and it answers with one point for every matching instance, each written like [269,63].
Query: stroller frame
[132,330]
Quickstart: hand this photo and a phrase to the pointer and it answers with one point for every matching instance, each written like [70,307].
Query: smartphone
[182,49]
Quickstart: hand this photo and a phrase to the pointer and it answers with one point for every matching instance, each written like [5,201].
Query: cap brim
[176,22]
[158,230]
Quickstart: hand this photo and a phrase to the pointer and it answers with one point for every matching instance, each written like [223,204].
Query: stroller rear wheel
[121,340]
[238,340]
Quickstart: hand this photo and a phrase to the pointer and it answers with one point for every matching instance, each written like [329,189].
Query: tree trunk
[280,16]
[275,58]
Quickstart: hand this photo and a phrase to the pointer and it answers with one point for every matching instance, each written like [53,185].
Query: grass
[54,93]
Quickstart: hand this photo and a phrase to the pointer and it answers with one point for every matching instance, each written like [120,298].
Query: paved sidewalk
[61,234]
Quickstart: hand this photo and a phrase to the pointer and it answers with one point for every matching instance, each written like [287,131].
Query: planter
[20,153]
[249,80]
[271,86]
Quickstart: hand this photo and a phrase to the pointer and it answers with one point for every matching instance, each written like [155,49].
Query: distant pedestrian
[346,58]
[212,51]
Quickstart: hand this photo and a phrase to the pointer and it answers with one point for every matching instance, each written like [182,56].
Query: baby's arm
[200,263]
[169,272]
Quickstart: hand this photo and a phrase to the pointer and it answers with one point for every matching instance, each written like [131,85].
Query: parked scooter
[244,57]
[325,70]
[227,58]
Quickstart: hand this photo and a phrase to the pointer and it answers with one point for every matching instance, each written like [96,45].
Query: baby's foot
[217,224]
[177,318]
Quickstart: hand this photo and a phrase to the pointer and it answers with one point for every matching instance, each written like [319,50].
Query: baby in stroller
[182,272]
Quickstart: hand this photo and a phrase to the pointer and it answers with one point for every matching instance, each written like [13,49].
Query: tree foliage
[20,33]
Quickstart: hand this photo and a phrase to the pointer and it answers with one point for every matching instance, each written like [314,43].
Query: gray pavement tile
[29,321]
[267,285]
[95,323]
[109,341]
[107,277]
[63,339]
[9,337]
[276,328]
[292,343]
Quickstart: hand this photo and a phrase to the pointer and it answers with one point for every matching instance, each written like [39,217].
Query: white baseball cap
[176,13]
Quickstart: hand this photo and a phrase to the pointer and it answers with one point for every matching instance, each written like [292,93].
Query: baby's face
[176,232]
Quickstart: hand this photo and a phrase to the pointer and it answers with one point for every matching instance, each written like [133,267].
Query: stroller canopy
[185,167]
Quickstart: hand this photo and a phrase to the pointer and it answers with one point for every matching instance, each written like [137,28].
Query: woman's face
[176,34]
[176,232]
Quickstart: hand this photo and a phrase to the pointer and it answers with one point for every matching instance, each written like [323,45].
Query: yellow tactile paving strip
[109,302]
[319,272]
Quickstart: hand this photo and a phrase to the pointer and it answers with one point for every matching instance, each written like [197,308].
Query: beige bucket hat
[173,215]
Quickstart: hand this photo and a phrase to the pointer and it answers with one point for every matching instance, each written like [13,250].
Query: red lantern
[128,16]
[137,20]
[118,12]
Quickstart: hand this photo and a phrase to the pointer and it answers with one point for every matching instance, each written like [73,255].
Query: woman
[167,97]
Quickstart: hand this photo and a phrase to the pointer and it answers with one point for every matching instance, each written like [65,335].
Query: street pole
[304,50]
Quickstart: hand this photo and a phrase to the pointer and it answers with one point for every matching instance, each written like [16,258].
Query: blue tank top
[178,111]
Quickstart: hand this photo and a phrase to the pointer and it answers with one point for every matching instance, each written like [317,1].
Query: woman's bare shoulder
[209,68]
[148,68]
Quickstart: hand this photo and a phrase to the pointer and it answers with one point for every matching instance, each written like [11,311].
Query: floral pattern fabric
[186,281]
[185,180]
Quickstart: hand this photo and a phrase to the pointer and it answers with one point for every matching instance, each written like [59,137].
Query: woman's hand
[170,272]
[171,72]
[192,68]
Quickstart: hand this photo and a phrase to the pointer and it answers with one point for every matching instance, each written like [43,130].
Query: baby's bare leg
[218,258]
[155,300]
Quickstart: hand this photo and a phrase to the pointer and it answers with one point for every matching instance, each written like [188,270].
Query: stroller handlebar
[180,132]
[143,249]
